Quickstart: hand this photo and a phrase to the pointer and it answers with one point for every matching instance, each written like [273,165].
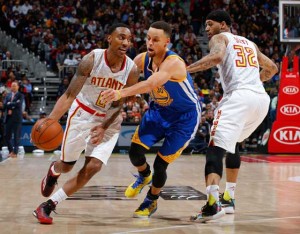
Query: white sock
[214,191]
[207,191]
[213,195]
[230,188]
[59,196]
[54,172]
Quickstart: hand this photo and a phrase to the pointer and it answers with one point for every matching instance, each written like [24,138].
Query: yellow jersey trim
[136,139]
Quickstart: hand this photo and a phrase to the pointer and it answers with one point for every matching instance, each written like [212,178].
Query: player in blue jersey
[173,114]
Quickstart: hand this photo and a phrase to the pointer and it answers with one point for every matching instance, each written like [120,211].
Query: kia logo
[290,90]
[290,109]
[289,135]
[290,75]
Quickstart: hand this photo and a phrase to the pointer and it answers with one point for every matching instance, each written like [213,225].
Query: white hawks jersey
[239,68]
[102,78]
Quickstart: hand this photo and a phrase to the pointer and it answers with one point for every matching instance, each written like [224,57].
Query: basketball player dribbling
[92,125]
[242,109]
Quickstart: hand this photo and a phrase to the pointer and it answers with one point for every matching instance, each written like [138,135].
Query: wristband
[119,95]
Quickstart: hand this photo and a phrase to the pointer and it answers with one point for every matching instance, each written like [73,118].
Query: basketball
[47,134]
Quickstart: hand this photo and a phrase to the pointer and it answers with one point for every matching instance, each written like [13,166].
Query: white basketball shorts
[237,116]
[76,135]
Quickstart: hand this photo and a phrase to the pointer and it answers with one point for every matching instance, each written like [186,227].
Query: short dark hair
[112,28]
[219,16]
[164,26]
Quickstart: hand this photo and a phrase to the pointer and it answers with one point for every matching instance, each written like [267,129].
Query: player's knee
[137,154]
[214,160]
[233,161]
[91,167]
[160,172]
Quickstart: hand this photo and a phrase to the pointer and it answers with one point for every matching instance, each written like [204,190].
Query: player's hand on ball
[110,95]
[97,134]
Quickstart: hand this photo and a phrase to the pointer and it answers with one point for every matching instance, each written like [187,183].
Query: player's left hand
[110,95]
[97,134]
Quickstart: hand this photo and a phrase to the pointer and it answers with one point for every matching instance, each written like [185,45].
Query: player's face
[157,42]
[213,27]
[120,40]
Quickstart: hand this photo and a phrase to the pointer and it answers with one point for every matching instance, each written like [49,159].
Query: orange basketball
[47,134]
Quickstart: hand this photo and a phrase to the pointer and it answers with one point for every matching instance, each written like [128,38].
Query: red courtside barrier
[285,133]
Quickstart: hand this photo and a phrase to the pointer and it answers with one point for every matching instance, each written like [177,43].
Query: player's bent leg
[50,180]
[138,159]
[90,168]
[149,205]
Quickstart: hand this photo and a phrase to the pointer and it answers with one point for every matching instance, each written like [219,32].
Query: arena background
[43,41]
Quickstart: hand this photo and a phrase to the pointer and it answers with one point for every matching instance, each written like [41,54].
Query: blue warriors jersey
[173,116]
[174,95]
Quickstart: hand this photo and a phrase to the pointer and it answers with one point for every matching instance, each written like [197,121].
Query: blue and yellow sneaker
[146,209]
[136,187]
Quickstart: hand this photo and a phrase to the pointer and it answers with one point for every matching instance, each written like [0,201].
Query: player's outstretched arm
[217,46]
[65,101]
[170,68]
[269,68]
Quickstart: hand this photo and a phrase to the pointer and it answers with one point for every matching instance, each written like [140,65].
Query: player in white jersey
[92,125]
[241,110]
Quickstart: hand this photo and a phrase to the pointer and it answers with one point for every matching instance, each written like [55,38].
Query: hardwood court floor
[267,199]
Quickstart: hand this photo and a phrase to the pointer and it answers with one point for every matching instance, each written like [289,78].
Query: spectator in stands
[63,87]
[26,7]
[70,64]
[190,37]
[86,44]
[17,8]
[130,117]
[6,60]
[141,103]
[70,61]
[42,115]
[124,116]
[209,115]
[44,51]
[26,89]
[11,79]
[27,118]
[136,112]
[137,119]
[214,102]
[61,56]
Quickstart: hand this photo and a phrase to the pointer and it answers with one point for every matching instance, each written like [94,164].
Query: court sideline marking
[212,223]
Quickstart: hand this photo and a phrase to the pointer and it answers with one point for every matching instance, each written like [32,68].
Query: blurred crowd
[62,32]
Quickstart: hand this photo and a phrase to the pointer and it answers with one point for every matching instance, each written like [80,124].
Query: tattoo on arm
[217,49]
[83,71]
[269,69]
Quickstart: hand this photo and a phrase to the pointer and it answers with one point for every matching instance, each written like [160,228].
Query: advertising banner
[285,133]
